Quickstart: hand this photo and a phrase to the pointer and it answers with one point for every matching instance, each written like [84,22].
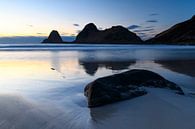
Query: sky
[39,17]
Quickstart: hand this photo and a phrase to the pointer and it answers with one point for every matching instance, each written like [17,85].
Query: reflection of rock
[102,113]
[124,86]
[92,67]
[183,67]
[115,35]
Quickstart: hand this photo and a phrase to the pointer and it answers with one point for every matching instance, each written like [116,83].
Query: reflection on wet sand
[180,66]
[19,113]
[102,113]
[48,101]
[93,60]
[92,67]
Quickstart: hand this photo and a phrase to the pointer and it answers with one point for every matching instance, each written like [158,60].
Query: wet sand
[44,90]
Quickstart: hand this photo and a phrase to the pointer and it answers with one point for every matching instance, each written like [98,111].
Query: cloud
[30,25]
[149,27]
[144,30]
[133,27]
[141,33]
[154,14]
[64,33]
[76,25]
[152,21]
[41,33]
[73,35]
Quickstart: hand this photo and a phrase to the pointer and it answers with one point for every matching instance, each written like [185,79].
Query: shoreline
[60,47]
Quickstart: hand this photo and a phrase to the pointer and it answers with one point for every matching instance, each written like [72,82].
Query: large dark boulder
[182,33]
[54,37]
[124,86]
[115,35]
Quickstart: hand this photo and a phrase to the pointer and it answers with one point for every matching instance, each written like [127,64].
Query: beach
[43,87]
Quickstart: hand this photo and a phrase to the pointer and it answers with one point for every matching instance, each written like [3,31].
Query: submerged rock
[125,86]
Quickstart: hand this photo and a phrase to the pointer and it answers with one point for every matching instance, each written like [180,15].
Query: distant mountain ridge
[114,35]
[180,33]
[90,34]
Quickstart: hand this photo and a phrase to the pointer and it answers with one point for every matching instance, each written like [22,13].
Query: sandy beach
[44,90]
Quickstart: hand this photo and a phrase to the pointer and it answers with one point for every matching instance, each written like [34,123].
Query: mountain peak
[91,27]
[119,28]
[183,32]
[114,35]
[193,17]
[54,37]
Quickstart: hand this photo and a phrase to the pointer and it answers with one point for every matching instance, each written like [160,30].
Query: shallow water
[44,89]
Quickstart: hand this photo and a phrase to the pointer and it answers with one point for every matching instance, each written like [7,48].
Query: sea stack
[115,35]
[182,33]
[54,37]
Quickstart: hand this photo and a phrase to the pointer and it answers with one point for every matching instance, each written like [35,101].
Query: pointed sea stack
[54,37]
[115,35]
[182,33]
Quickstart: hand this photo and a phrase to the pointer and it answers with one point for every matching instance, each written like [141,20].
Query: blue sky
[39,17]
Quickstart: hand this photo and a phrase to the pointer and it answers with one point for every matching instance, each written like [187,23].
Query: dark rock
[124,86]
[54,37]
[115,35]
[181,33]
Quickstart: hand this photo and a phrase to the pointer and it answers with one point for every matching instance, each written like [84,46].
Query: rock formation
[54,37]
[115,35]
[124,86]
[181,33]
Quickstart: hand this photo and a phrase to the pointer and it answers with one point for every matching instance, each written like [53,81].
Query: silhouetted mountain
[114,35]
[54,37]
[181,33]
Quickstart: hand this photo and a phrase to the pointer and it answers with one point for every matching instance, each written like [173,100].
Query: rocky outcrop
[124,86]
[181,33]
[54,37]
[115,35]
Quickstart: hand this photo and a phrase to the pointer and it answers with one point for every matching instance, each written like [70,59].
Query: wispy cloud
[144,30]
[76,25]
[65,34]
[132,27]
[152,21]
[149,27]
[41,33]
[30,25]
[73,35]
[154,14]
